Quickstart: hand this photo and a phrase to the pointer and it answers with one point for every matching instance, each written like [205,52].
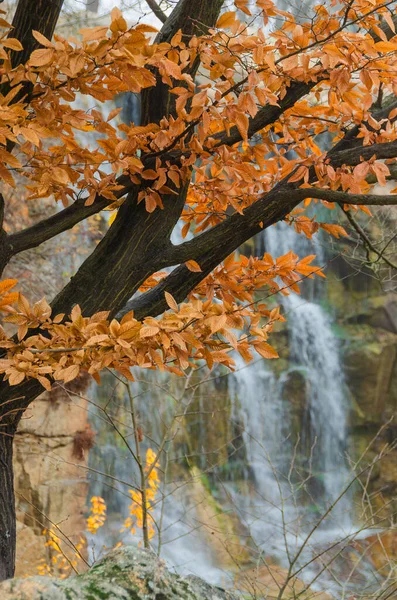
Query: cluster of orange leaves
[200,329]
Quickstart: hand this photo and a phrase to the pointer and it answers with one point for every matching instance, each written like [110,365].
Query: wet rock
[127,573]
[382,550]
[220,530]
[370,361]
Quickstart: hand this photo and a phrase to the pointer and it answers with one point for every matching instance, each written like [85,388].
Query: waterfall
[314,350]
[314,347]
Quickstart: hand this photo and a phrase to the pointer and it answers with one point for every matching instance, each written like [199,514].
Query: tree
[232,140]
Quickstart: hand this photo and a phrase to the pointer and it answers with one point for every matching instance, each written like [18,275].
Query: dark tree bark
[7,504]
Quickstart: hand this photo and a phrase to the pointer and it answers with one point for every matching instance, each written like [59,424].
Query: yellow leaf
[70,373]
[76,313]
[299,174]
[113,113]
[112,217]
[6,176]
[386,46]
[9,159]
[266,350]
[242,125]
[148,332]
[335,230]
[60,176]
[16,377]
[45,383]
[94,33]
[217,322]
[97,339]
[7,284]
[171,68]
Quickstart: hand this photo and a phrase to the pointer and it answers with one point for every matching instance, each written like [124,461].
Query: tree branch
[354,156]
[213,246]
[268,114]
[157,10]
[193,18]
[346,197]
[40,15]
[33,236]
[366,240]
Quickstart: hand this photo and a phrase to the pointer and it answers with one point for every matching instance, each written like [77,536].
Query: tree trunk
[7,504]
[42,16]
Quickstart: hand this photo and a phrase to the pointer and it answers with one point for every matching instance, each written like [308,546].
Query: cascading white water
[278,516]
[315,349]
[257,404]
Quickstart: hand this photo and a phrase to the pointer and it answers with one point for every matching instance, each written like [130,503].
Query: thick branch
[157,10]
[193,18]
[269,113]
[31,237]
[356,155]
[213,246]
[346,198]
[40,15]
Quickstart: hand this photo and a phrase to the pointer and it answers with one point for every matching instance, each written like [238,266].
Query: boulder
[126,573]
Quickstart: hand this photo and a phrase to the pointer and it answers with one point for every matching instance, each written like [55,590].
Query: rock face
[125,574]
[50,476]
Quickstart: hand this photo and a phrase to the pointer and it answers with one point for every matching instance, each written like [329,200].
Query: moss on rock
[127,573]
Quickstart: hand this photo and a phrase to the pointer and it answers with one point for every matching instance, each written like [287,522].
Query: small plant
[97,515]
[139,508]
[58,562]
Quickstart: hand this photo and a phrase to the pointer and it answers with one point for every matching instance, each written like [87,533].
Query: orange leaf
[70,373]
[42,39]
[266,350]
[171,301]
[7,284]
[41,57]
[13,44]
[226,20]
[193,266]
